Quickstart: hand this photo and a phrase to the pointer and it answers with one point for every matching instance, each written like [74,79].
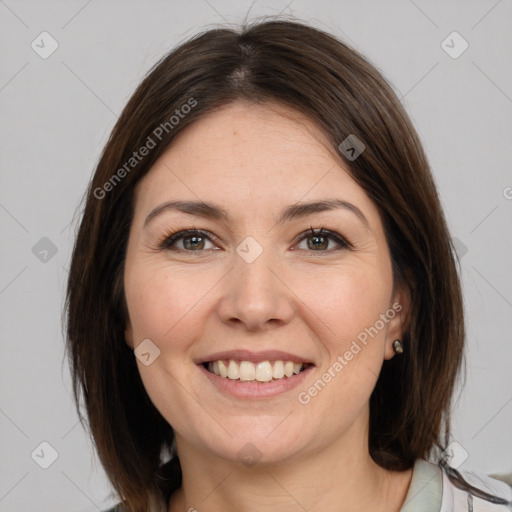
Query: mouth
[247,375]
[248,371]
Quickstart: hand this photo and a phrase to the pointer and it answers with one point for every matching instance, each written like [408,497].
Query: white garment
[431,490]
[457,499]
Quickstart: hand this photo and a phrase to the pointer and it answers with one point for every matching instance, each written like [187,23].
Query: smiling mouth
[247,371]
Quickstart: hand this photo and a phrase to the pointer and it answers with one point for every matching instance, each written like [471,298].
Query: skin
[253,160]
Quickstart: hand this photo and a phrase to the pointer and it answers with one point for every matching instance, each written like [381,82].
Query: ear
[400,306]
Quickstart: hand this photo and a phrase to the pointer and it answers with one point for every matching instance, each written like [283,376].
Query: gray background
[56,114]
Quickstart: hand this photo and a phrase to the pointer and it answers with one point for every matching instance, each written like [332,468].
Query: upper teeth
[247,371]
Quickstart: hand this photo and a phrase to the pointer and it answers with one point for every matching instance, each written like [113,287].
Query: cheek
[346,308]
[159,300]
[347,302]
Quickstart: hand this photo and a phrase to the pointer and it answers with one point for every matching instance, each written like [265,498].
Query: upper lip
[254,357]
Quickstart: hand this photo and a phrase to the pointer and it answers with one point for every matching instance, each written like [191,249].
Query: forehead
[250,155]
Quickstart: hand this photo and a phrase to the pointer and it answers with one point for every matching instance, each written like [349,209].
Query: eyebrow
[292,212]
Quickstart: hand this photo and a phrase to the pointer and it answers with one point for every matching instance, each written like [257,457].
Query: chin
[260,444]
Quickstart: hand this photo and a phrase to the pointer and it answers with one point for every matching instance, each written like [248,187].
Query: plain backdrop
[57,112]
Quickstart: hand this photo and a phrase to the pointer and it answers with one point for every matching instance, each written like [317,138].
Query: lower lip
[244,389]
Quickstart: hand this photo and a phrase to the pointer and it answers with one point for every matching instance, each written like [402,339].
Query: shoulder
[458,499]
[436,488]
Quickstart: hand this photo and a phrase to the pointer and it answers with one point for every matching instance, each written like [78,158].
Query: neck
[342,477]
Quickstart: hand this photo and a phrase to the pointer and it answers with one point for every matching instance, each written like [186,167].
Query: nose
[255,296]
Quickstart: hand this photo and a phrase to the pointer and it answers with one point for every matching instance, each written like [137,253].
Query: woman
[264,310]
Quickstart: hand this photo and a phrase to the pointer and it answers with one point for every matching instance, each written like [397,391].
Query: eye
[191,240]
[319,240]
[195,240]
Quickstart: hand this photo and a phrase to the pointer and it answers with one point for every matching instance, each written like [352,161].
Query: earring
[397,345]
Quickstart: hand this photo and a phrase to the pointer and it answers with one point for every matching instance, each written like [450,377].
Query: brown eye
[188,240]
[320,241]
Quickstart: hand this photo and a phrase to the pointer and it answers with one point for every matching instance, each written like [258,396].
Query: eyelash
[169,239]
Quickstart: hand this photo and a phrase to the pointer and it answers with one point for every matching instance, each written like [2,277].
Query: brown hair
[316,74]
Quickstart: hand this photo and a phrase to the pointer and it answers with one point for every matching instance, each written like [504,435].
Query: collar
[426,488]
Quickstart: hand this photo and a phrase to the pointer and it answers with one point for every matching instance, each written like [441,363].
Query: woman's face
[257,287]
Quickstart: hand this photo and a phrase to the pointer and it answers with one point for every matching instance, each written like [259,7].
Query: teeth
[233,370]
[264,371]
[278,371]
[223,369]
[248,371]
